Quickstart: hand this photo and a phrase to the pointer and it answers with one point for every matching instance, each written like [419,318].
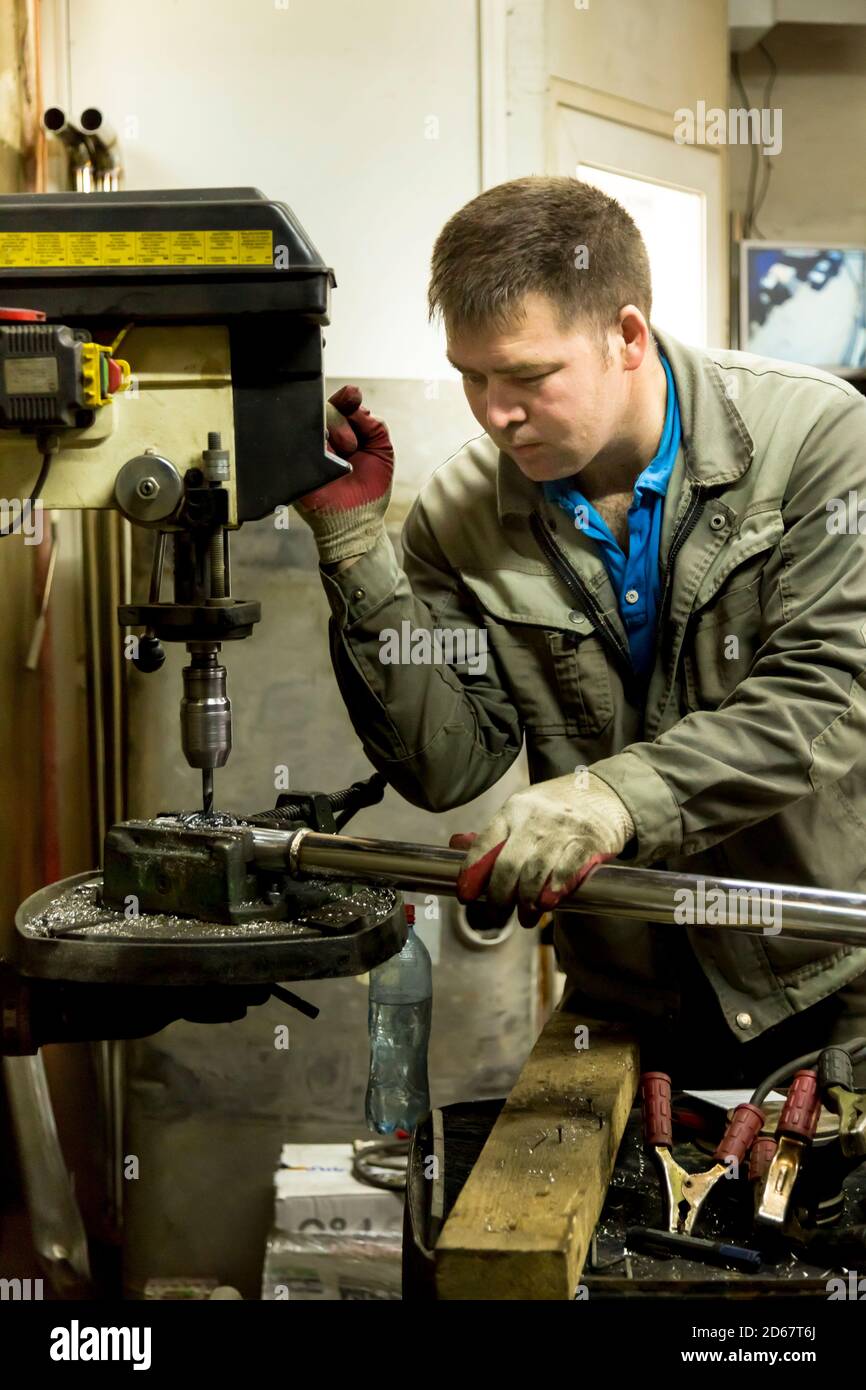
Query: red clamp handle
[743,1129]
[761,1157]
[799,1117]
[655,1098]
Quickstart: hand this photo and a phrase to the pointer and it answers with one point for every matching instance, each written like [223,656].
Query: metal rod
[157,566]
[611,890]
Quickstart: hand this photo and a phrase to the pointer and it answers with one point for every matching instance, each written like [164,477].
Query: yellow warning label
[187,248]
[82,248]
[255,248]
[222,248]
[117,248]
[16,248]
[154,248]
[49,248]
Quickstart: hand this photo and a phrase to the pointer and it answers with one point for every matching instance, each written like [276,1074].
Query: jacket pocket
[725,629]
[721,647]
[582,680]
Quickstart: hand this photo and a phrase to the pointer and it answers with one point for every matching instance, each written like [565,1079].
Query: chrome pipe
[103,137]
[54,122]
[78,155]
[102,142]
[611,890]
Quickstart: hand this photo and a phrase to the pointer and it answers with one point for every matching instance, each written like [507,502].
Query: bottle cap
[409,909]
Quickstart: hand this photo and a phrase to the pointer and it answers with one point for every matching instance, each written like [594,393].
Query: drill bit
[207,790]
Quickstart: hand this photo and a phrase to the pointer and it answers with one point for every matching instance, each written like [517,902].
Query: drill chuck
[205,711]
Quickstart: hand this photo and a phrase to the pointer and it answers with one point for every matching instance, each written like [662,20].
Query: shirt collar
[656,475]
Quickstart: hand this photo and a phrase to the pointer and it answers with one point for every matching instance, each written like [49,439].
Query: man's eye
[527,380]
[473,380]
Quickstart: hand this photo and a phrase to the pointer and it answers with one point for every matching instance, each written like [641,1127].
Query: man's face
[546,397]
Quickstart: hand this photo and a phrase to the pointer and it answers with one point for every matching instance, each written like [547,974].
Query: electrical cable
[768,168]
[856,1048]
[753,156]
[46,456]
[377,1163]
[755,200]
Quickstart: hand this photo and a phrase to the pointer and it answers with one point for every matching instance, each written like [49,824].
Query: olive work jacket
[743,756]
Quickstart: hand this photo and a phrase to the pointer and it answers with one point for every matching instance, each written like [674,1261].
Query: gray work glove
[543,843]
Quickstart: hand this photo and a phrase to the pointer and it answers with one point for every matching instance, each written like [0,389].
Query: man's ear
[636,336]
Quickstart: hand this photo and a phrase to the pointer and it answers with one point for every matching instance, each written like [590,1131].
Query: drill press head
[219,299]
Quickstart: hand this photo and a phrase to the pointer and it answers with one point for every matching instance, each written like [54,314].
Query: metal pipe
[101,137]
[78,153]
[54,121]
[611,890]
[101,140]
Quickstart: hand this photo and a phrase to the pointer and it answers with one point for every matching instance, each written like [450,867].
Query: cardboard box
[317,1193]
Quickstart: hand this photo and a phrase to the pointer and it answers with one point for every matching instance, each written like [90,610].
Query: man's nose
[503,410]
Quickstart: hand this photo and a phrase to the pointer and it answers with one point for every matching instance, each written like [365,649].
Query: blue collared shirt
[635,577]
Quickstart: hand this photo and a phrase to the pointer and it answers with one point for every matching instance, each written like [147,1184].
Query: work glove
[347,516]
[541,846]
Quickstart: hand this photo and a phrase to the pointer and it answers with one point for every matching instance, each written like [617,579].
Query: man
[650,537]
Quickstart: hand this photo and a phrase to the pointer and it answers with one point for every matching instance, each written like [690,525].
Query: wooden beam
[522,1225]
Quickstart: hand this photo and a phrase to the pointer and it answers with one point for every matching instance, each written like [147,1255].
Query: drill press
[161,355]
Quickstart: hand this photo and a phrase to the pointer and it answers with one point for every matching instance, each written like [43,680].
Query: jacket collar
[717,446]
[716,443]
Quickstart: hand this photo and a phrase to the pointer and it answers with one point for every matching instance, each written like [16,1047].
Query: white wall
[660,53]
[362,117]
[817,187]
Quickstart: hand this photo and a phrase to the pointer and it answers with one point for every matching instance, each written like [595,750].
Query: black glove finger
[529,916]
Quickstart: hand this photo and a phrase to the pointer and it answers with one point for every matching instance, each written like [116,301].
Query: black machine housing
[274,313]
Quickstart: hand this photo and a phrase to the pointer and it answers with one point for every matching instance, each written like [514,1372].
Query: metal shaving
[361,901]
[198,820]
[77,912]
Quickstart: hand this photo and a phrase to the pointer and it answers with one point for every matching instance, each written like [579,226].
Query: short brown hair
[525,236]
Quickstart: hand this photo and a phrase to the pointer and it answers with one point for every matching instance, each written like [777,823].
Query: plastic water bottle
[401,1006]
